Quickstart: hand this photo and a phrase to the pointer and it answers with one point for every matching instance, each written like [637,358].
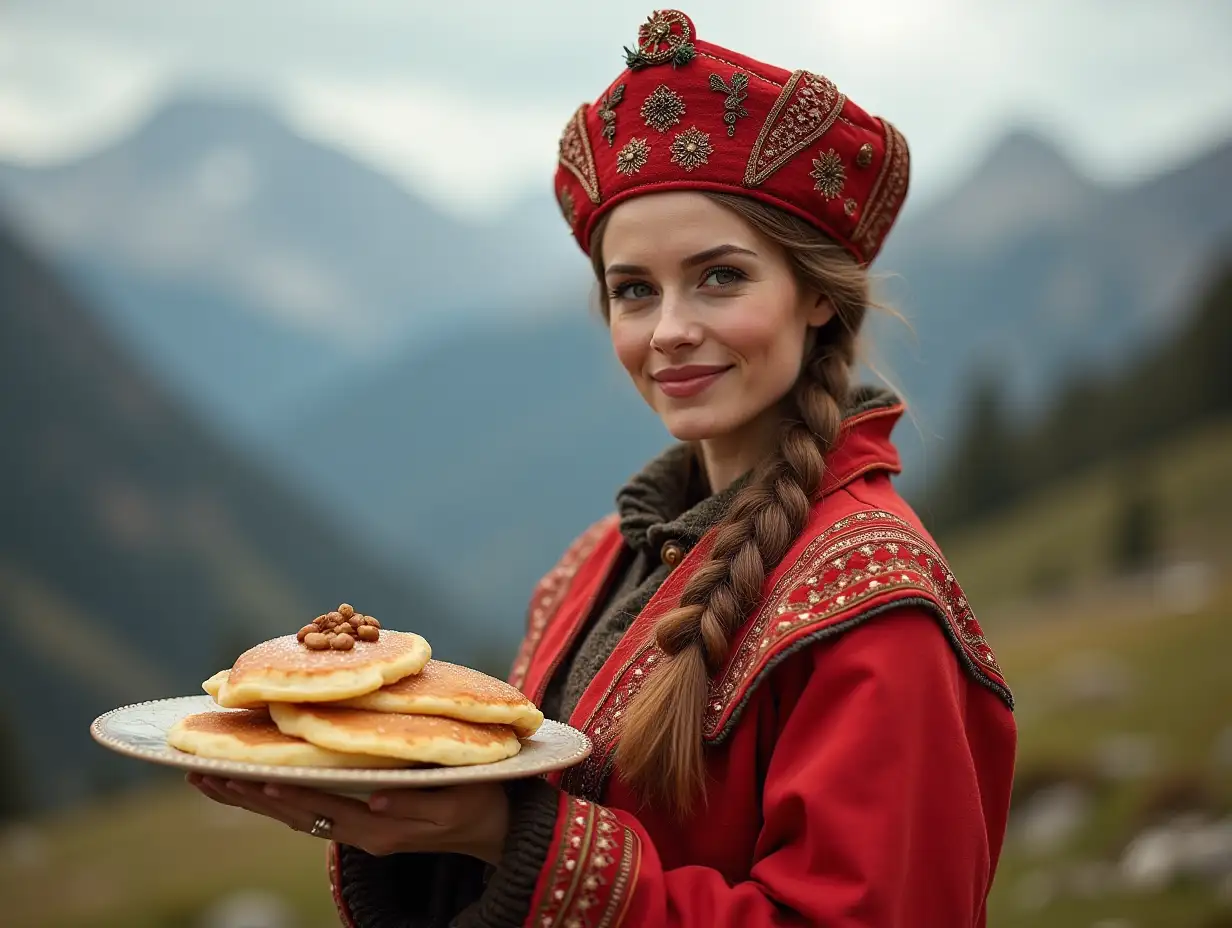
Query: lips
[690,380]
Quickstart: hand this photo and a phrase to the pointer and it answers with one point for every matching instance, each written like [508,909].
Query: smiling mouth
[679,388]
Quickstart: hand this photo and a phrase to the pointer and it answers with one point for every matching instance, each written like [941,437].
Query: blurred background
[288,317]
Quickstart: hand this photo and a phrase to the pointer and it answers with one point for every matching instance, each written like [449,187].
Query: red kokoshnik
[689,115]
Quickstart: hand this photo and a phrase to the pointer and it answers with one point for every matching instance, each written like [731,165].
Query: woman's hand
[470,819]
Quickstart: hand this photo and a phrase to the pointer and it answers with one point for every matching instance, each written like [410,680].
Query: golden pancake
[251,737]
[213,686]
[446,689]
[427,739]
[284,670]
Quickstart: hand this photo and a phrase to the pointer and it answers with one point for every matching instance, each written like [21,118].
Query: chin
[697,424]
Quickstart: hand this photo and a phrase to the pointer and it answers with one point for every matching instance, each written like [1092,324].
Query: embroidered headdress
[689,115]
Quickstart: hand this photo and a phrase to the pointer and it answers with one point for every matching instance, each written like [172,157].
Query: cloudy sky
[464,101]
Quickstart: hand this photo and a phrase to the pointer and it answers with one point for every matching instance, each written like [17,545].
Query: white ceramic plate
[140,731]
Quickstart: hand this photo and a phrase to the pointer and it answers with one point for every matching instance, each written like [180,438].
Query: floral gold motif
[864,157]
[737,91]
[592,867]
[632,158]
[889,191]
[576,155]
[664,37]
[850,207]
[663,108]
[860,558]
[806,108]
[607,111]
[691,148]
[829,174]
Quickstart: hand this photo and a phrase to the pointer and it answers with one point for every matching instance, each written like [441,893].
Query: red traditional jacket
[860,737]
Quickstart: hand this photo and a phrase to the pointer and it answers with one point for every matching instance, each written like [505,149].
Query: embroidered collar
[670,500]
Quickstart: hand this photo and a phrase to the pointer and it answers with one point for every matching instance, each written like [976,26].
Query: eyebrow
[692,261]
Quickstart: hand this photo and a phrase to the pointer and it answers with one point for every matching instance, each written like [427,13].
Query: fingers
[354,823]
[439,806]
[315,802]
[212,788]
[249,796]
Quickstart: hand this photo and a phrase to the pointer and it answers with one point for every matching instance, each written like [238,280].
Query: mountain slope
[1033,293]
[139,553]
[215,218]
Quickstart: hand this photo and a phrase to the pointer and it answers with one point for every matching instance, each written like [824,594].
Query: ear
[820,310]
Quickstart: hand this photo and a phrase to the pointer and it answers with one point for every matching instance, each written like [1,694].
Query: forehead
[664,226]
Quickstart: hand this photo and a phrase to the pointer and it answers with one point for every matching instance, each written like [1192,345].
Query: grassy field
[156,859]
[1178,699]
[160,858]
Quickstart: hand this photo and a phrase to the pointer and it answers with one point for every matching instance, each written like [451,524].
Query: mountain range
[214,239]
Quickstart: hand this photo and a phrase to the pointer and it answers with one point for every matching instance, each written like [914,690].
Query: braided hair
[661,751]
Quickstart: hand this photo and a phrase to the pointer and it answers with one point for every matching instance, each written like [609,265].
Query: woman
[796,718]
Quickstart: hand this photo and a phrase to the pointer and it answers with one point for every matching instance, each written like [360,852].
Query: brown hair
[661,751]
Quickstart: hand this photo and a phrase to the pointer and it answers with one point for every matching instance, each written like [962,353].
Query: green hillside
[1064,541]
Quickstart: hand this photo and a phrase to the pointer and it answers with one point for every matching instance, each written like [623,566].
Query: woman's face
[705,313]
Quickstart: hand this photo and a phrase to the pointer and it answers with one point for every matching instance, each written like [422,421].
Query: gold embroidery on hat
[607,112]
[576,155]
[829,174]
[567,207]
[864,157]
[807,107]
[889,191]
[737,91]
[664,37]
[691,148]
[663,108]
[632,158]
[850,207]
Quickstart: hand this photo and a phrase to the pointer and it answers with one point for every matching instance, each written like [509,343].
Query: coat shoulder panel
[861,566]
[551,591]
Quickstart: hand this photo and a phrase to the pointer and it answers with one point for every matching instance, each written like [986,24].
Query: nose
[676,327]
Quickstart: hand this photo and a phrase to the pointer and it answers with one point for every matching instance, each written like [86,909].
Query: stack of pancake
[382,703]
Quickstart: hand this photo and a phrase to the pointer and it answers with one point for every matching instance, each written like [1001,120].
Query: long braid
[661,752]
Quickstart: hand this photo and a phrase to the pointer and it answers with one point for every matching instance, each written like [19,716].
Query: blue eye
[633,290]
[724,276]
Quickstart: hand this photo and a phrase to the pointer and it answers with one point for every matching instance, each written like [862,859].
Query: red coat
[861,741]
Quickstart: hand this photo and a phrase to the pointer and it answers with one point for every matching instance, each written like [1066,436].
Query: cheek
[763,337]
[630,344]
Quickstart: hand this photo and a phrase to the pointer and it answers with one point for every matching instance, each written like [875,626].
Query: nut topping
[339,629]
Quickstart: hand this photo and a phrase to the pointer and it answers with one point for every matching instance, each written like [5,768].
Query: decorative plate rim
[511,768]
